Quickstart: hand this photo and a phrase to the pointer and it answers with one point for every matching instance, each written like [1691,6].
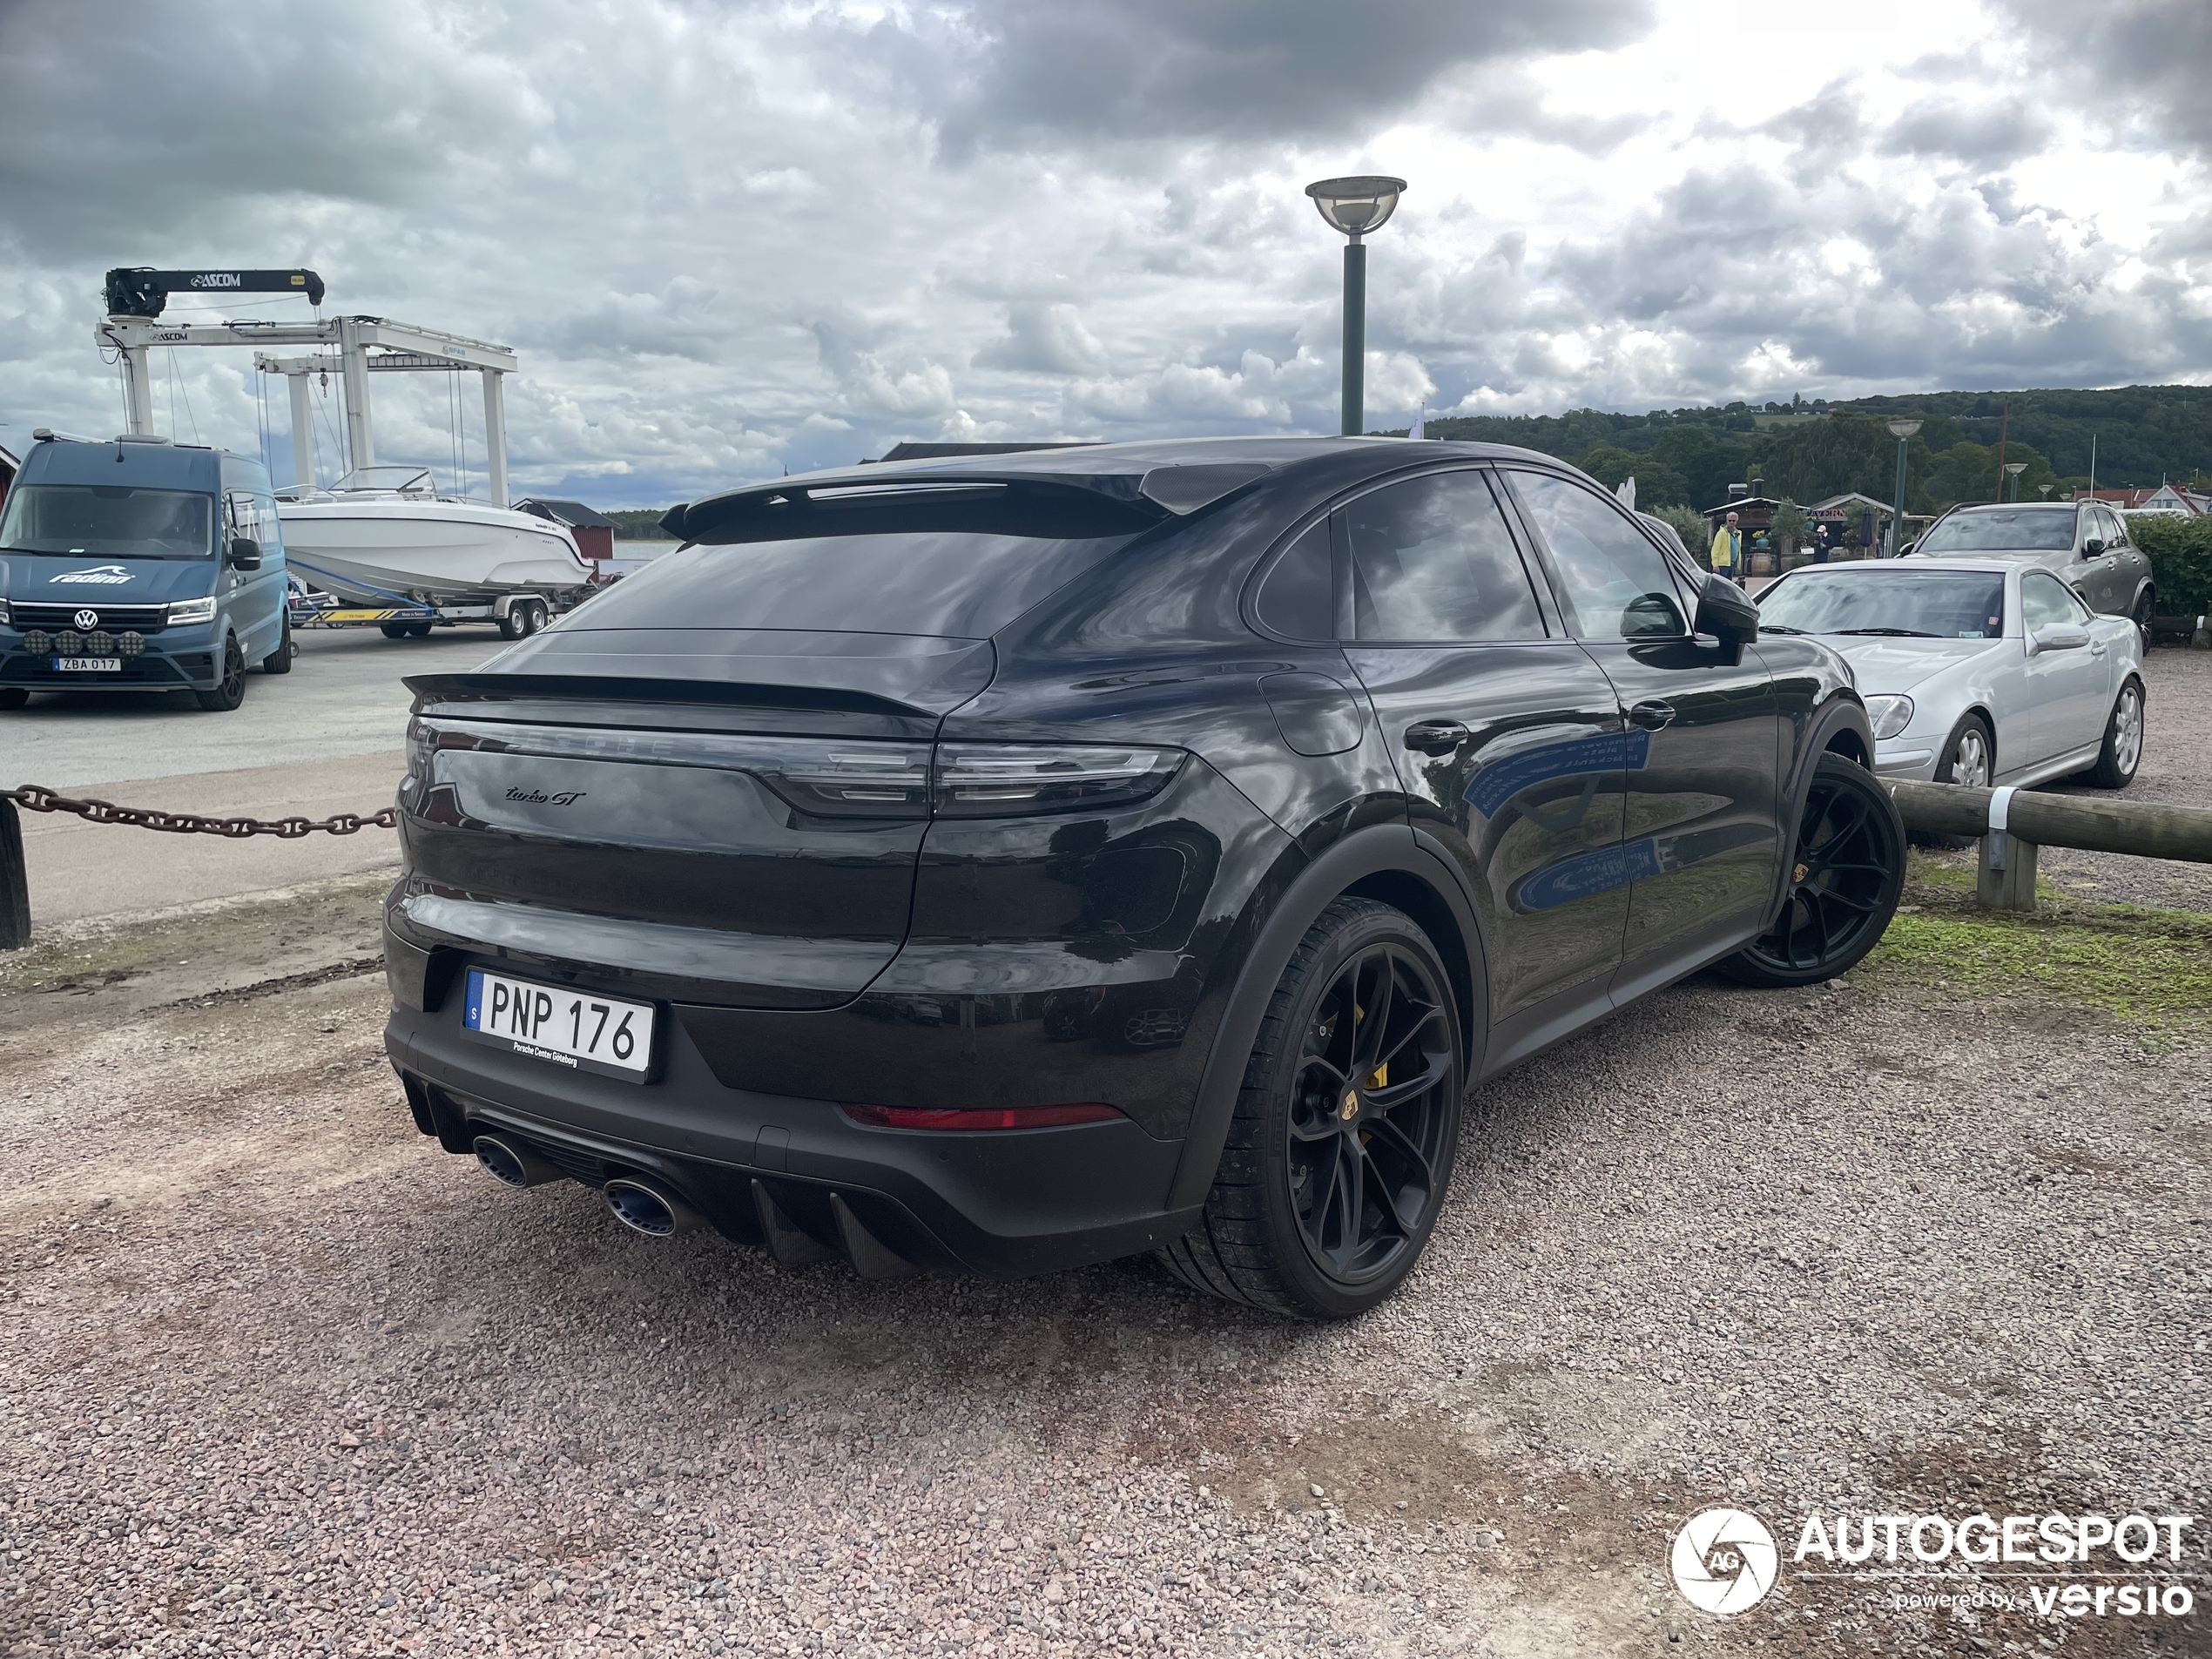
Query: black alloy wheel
[1341,1149]
[2147,617]
[230,692]
[1847,869]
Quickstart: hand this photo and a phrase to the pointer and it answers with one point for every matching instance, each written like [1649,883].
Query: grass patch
[2145,967]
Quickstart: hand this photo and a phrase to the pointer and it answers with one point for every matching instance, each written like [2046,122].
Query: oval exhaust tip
[512,1163]
[643,1207]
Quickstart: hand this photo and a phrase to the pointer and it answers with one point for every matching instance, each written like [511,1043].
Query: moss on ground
[2145,967]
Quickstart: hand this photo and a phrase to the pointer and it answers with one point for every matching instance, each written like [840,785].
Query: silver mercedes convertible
[1976,670]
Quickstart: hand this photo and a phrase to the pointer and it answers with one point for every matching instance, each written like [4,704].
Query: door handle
[1436,737]
[1650,717]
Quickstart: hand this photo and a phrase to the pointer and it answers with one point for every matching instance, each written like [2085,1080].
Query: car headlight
[187,610]
[1889,715]
[3,613]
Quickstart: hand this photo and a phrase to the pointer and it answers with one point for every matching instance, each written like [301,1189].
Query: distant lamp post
[2046,489]
[1356,207]
[1902,431]
[2016,468]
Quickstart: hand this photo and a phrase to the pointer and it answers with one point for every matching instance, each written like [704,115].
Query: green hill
[2144,434]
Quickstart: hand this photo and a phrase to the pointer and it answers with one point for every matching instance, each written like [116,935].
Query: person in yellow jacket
[1728,552]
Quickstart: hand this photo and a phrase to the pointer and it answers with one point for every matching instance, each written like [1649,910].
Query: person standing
[1728,552]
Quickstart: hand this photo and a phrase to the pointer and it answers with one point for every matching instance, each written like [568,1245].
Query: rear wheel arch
[1385,862]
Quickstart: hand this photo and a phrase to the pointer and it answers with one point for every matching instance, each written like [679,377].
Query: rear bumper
[1002,1204]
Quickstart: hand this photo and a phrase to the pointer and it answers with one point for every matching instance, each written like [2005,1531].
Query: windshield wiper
[1899,633]
[1778,628]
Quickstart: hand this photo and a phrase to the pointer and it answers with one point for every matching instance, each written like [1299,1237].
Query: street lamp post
[1355,206]
[2014,468]
[1902,431]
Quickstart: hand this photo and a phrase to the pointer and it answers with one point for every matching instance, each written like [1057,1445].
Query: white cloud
[730,239]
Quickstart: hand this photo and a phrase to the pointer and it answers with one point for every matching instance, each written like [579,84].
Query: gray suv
[2084,543]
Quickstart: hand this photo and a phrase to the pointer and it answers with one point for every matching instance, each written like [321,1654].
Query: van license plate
[573,1028]
[88,664]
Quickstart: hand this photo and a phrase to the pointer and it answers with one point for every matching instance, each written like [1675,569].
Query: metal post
[360,441]
[1897,515]
[303,430]
[1355,339]
[495,437]
[15,883]
[137,391]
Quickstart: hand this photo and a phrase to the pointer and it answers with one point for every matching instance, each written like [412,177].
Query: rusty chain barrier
[36,798]
[15,895]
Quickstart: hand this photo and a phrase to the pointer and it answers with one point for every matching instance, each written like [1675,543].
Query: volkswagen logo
[86,619]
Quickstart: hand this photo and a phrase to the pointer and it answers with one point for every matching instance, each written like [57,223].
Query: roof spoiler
[978,501]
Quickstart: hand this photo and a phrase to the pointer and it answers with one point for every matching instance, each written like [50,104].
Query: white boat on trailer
[383,536]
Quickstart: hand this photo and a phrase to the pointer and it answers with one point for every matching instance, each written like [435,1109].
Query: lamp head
[2016,468]
[1358,204]
[1904,429]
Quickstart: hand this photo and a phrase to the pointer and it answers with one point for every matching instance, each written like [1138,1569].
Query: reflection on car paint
[1611,751]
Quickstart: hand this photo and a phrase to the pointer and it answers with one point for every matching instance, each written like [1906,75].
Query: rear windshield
[1943,605]
[956,583]
[120,521]
[2040,530]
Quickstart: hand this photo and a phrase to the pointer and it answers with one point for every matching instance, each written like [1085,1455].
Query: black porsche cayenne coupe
[1013,861]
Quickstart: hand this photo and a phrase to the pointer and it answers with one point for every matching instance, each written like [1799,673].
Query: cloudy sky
[731,239]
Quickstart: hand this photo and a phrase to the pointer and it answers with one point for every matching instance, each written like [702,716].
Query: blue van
[139,565]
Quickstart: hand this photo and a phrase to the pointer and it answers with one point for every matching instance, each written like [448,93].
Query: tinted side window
[1433,560]
[1298,599]
[1618,584]
[2046,602]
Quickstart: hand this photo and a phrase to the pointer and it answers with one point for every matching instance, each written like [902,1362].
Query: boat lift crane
[136,298]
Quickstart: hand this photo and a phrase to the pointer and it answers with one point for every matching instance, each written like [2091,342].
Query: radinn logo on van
[98,576]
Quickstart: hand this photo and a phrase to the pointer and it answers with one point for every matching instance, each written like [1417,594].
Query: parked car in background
[1975,671]
[1010,862]
[2084,543]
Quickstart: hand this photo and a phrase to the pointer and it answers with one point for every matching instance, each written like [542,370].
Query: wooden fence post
[14,882]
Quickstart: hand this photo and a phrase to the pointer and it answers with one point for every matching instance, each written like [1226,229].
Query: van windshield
[116,521]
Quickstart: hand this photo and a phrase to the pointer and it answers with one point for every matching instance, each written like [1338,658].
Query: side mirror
[2093,547]
[1908,548]
[1725,613]
[2059,635]
[245,553]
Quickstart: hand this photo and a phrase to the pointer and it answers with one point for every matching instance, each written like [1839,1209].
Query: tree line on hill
[1688,457]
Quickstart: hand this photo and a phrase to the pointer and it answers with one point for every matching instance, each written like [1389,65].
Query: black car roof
[1116,470]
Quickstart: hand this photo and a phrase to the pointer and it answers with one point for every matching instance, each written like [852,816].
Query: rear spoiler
[430,689]
[983,503]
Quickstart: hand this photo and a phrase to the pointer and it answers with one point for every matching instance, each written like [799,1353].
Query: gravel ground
[2176,771]
[282,1378]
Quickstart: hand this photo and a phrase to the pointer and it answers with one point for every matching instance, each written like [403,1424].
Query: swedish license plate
[88,664]
[578,1029]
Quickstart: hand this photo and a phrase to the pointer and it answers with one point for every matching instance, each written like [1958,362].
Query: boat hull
[427,551]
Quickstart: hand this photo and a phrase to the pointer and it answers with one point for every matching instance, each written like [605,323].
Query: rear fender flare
[1842,716]
[1377,857]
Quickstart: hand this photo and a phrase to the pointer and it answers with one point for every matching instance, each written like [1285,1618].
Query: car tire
[392,629]
[228,692]
[14,697]
[1329,1188]
[418,630]
[279,660]
[515,624]
[2145,616]
[1969,758]
[2123,745]
[1847,870]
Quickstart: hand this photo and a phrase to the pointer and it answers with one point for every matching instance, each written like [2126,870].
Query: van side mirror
[245,553]
[1725,613]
